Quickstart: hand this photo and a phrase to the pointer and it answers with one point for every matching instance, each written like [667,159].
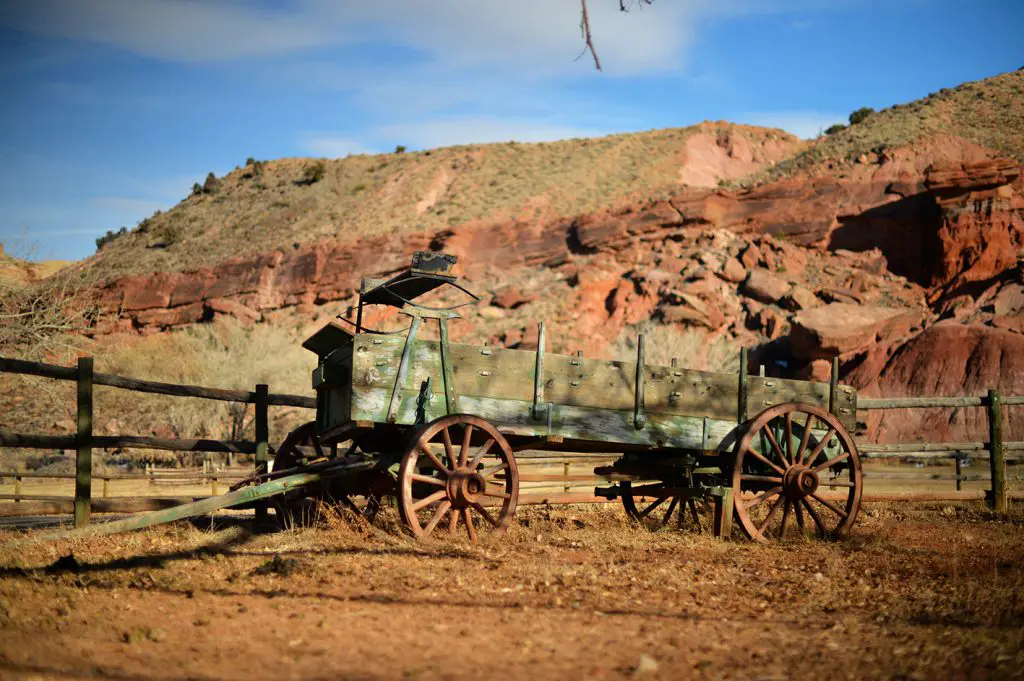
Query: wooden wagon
[438,424]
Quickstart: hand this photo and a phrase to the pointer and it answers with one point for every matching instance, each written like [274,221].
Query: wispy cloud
[803,124]
[325,144]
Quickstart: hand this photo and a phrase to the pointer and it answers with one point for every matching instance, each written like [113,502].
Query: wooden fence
[537,486]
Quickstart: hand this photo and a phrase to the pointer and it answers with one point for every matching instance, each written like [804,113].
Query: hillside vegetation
[295,201]
[988,112]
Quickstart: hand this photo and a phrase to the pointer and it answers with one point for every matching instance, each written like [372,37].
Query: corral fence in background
[83,442]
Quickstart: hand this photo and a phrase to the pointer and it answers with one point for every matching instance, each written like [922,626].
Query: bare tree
[588,42]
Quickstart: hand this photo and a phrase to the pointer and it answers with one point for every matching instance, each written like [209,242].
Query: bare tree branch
[588,43]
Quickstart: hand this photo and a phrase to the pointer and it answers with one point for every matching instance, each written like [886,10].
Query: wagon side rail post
[996,460]
[262,428]
[83,443]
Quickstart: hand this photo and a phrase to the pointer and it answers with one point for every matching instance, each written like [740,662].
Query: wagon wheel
[796,470]
[303,446]
[653,505]
[474,479]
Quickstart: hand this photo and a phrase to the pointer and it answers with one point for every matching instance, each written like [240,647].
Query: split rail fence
[540,487]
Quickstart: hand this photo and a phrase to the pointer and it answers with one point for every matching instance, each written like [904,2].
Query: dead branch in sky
[588,42]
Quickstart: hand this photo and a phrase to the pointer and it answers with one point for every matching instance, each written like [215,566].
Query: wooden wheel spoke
[787,507]
[696,516]
[761,478]
[757,455]
[789,437]
[775,444]
[467,517]
[658,502]
[427,501]
[830,506]
[428,479]
[805,437]
[771,514]
[820,446]
[498,495]
[815,517]
[443,508]
[453,522]
[436,462]
[486,516]
[800,518]
[836,483]
[831,462]
[449,452]
[464,450]
[481,453]
[668,513]
[763,497]
[489,472]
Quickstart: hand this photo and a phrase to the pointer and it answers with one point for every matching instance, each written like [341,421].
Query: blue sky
[111,109]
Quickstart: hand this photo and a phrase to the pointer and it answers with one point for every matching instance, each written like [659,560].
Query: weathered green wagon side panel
[579,382]
[568,422]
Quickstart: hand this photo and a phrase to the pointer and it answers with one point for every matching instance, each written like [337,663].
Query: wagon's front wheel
[796,473]
[457,470]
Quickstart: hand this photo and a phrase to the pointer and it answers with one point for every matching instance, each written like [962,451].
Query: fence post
[996,462]
[262,425]
[959,467]
[565,468]
[17,488]
[83,442]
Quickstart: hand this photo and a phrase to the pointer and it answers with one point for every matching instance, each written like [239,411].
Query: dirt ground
[917,592]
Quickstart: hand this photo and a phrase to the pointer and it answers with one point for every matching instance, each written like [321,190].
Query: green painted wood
[403,368]
[210,504]
[538,374]
[451,400]
[83,443]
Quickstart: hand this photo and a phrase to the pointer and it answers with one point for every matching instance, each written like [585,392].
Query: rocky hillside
[18,272]
[893,245]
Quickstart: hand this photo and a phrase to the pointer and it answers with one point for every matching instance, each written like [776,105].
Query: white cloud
[334,145]
[802,123]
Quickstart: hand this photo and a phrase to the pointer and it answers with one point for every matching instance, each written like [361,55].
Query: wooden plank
[18,366]
[867,403]
[83,443]
[923,447]
[65,442]
[996,462]
[65,506]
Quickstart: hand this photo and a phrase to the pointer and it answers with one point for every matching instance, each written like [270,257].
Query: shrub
[833,129]
[211,185]
[400,149]
[197,189]
[696,349]
[860,115]
[250,161]
[358,188]
[110,236]
[313,172]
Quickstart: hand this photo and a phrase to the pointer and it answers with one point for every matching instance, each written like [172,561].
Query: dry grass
[695,349]
[224,354]
[987,112]
[255,209]
[918,592]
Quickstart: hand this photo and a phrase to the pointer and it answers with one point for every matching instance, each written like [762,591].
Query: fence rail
[995,449]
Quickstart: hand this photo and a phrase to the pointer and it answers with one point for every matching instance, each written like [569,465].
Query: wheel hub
[465,487]
[799,481]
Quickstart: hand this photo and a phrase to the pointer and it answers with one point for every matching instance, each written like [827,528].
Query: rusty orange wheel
[796,472]
[653,505]
[457,470]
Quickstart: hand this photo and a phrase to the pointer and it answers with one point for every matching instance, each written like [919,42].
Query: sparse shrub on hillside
[358,188]
[313,173]
[400,149]
[250,161]
[197,189]
[860,115]
[45,320]
[110,236]
[211,185]
[833,129]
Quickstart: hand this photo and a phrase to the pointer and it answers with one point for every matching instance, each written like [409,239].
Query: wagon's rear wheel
[796,473]
[457,470]
[302,446]
[655,506]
